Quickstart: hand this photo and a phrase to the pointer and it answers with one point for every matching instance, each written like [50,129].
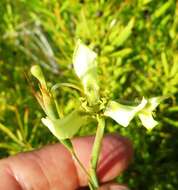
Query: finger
[108,186]
[113,186]
[52,167]
[115,155]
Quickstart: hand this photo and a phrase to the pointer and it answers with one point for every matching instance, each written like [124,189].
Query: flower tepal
[123,114]
[146,114]
[85,66]
[68,126]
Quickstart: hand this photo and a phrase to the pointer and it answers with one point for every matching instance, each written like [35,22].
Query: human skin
[53,168]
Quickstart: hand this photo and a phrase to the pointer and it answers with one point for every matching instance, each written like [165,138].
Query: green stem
[79,162]
[91,186]
[96,150]
[55,114]
[68,144]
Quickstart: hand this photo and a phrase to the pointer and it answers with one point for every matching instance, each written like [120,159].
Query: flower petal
[85,66]
[83,60]
[37,73]
[154,102]
[68,126]
[147,120]
[123,114]
[145,114]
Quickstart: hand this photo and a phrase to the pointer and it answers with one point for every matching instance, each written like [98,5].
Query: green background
[137,44]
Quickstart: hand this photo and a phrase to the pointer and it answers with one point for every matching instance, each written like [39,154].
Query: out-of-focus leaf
[165,63]
[125,33]
[171,122]
[10,134]
[160,11]
[174,69]
[122,53]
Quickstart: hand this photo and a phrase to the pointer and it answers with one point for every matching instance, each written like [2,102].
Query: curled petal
[85,66]
[123,114]
[147,120]
[146,113]
[68,126]
[83,60]
[37,73]
[154,102]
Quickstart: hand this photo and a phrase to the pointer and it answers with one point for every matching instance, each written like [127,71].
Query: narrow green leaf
[107,49]
[160,11]
[122,53]
[145,2]
[125,33]
[165,63]
[171,121]
[6,146]
[174,69]
[10,134]
[172,109]
[68,126]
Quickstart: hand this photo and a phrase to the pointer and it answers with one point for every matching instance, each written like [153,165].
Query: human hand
[52,167]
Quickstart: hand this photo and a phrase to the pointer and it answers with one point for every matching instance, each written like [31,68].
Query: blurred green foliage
[137,44]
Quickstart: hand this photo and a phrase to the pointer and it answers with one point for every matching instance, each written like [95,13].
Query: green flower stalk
[92,107]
